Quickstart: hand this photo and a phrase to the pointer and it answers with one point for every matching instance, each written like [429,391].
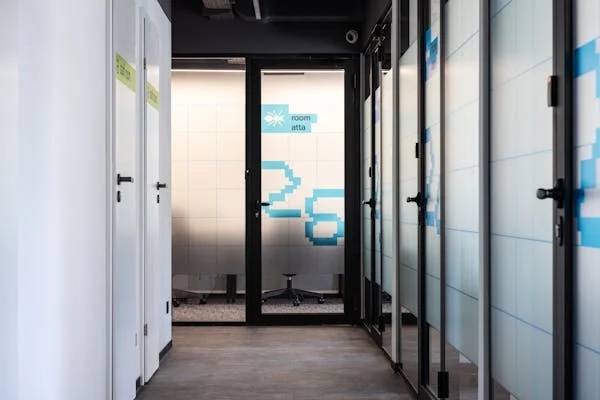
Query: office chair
[296,295]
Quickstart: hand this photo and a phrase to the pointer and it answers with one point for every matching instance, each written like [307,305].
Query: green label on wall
[153,95]
[125,72]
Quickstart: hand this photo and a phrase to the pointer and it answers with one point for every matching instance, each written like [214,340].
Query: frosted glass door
[587,198]
[408,213]
[432,174]
[461,196]
[521,225]
[303,191]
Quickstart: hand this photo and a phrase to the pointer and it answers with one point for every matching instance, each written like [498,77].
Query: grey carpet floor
[274,363]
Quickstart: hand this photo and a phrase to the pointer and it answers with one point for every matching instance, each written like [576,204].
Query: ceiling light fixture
[257,9]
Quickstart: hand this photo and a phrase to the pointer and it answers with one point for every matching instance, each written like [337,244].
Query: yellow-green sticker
[125,72]
[153,95]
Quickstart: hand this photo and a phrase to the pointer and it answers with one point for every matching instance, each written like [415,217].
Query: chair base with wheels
[296,295]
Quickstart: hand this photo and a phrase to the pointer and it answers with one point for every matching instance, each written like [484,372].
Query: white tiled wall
[208,177]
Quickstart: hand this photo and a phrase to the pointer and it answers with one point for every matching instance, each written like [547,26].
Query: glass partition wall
[483,134]
[208,189]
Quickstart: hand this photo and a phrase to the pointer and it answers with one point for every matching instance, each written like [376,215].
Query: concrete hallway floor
[274,363]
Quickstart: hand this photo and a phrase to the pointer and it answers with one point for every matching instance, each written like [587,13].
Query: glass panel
[521,226]
[587,205]
[303,121]
[208,189]
[462,195]
[432,174]
[366,211]
[378,188]
[408,213]
[387,210]
[463,375]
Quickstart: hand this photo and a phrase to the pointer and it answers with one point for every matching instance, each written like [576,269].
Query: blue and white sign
[276,118]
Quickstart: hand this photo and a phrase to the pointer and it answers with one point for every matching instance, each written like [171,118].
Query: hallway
[287,363]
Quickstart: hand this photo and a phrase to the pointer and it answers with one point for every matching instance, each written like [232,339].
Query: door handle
[160,185]
[370,203]
[557,193]
[121,179]
[259,204]
[418,199]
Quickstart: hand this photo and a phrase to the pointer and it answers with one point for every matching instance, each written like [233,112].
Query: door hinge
[552,91]
[417,150]
[443,384]
[145,63]
[145,329]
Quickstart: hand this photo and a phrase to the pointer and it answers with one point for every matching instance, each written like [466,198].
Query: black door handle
[556,193]
[260,204]
[418,199]
[160,185]
[121,179]
[370,203]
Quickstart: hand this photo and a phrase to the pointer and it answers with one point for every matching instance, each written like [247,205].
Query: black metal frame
[563,282]
[485,238]
[373,290]
[350,64]
[423,327]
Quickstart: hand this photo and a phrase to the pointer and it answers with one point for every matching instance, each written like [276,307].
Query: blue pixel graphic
[289,189]
[276,118]
[431,53]
[432,218]
[586,61]
[279,197]
[323,217]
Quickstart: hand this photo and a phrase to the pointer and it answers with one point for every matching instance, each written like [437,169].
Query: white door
[126,244]
[152,199]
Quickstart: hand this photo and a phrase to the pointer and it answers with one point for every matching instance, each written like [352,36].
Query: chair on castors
[296,295]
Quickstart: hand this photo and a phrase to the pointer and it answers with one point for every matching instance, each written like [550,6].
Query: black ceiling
[239,27]
[276,10]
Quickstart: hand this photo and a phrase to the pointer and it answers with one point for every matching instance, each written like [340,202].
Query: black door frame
[374,54]
[255,65]
[563,279]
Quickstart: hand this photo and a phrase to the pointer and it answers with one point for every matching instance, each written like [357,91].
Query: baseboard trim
[166,349]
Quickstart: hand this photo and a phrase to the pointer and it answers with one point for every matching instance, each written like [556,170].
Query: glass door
[410,197]
[586,87]
[522,160]
[369,195]
[299,207]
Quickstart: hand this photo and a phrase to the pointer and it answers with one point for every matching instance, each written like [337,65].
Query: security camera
[352,36]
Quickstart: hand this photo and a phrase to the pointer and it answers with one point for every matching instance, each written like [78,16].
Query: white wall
[8,199]
[55,198]
[62,194]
